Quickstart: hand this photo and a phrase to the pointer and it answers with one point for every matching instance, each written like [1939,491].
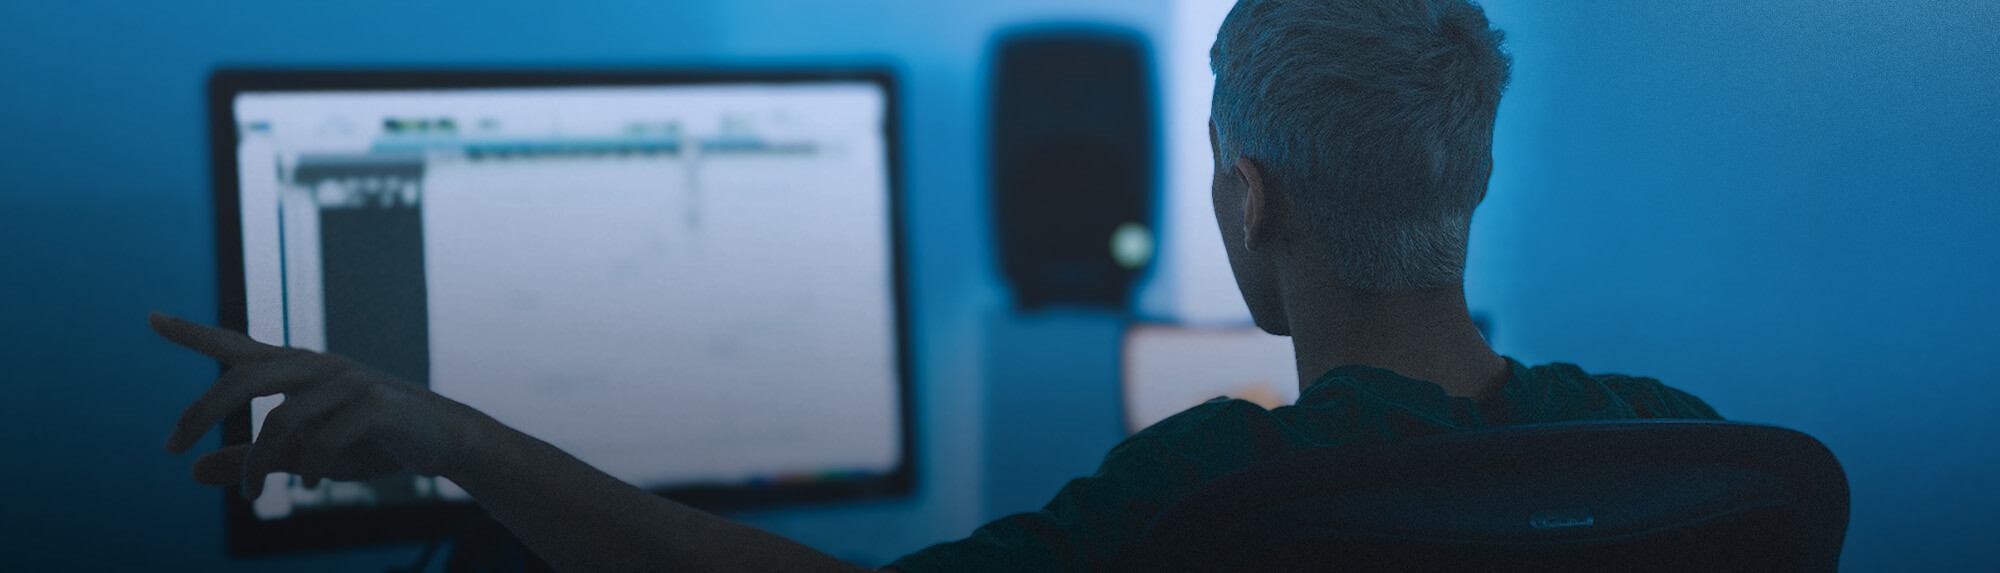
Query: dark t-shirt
[1092,517]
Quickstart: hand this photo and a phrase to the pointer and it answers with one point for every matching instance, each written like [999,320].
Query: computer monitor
[1166,368]
[691,280]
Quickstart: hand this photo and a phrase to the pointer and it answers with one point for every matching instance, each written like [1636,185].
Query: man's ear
[1485,182]
[1263,209]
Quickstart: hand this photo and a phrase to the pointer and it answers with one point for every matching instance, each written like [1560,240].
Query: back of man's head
[1375,117]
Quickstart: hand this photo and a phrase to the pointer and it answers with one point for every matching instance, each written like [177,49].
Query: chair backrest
[1626,495]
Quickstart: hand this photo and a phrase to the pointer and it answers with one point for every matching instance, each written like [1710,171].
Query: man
[1352,141]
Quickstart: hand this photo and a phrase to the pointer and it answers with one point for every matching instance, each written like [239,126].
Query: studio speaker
[1074,163]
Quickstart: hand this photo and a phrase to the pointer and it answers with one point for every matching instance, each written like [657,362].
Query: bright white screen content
[1168,368]
[676,284]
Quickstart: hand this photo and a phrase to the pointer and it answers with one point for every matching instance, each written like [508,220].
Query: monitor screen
[1167,368]
[689,283]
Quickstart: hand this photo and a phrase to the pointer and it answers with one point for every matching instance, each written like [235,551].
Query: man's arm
[342,420]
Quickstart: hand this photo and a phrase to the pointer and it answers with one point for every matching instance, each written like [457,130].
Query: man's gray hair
[1375,117]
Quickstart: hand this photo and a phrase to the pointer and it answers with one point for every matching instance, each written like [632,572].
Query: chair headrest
[1519,488]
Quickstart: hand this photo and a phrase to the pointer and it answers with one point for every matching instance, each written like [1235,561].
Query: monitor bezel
[247,535]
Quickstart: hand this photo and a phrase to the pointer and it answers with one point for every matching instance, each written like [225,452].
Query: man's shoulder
[1647,397]
[1205,440]
[1194,422]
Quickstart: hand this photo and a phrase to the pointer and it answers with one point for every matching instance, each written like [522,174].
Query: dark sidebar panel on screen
[372,268]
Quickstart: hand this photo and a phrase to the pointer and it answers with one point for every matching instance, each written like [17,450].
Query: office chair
[1625,495]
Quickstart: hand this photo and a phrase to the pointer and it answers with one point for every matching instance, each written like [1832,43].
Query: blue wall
[1785,208]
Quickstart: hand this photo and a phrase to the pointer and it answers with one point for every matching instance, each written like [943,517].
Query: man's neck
[1426,335]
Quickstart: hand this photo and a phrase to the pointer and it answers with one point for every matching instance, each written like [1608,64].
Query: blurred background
[1784,207]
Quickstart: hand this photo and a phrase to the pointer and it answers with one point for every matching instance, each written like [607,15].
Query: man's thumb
[221,467]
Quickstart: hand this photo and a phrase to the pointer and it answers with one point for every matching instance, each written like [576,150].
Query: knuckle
[374,396]
[334,367]
[335,362]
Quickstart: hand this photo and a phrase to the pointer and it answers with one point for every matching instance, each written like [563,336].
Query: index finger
[222,344]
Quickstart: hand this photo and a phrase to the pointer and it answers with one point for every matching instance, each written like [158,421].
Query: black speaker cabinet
[1074,163]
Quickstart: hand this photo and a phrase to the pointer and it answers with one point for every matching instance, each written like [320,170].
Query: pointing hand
[340,420]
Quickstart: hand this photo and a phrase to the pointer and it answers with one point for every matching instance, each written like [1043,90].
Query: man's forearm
[581,519]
